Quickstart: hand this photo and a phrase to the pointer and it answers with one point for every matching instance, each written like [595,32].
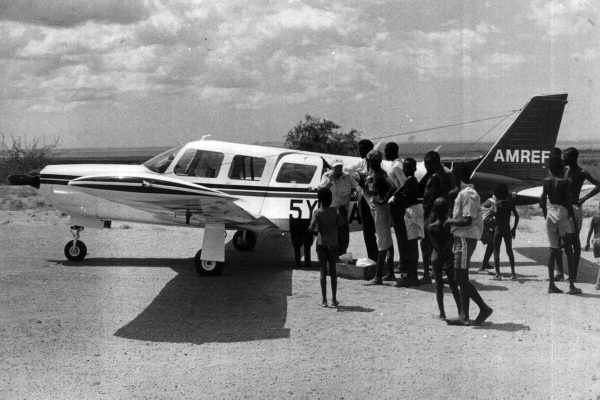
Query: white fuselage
[272,183]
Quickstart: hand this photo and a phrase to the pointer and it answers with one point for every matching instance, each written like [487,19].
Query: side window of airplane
[296,173]
[247,168]
[200,163]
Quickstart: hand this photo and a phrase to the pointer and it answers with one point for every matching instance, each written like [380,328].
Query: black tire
[77,252]
[244,245]
[207,268]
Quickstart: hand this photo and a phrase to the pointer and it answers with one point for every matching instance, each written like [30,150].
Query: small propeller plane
[223,186]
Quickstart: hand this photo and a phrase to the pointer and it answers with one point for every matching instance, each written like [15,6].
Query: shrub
[20,156]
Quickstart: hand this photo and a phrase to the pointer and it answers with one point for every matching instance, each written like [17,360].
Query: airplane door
[289,193]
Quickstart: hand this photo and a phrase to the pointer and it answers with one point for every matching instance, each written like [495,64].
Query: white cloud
[248,55]
[67,13]
[457,52]
[587,55]
[565,17]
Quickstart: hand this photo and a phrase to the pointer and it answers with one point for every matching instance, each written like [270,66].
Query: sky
[106,73]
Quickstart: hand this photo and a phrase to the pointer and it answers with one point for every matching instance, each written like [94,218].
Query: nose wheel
[75,250]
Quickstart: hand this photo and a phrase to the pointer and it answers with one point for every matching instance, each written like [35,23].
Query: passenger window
[247,168]
[296,173]
[201,163]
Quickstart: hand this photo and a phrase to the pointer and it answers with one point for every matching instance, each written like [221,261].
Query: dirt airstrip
[135,322]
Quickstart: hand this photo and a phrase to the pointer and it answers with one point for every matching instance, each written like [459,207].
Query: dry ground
[134,322]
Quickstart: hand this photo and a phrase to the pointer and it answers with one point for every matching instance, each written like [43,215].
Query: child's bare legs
[497,244]
[453,287]
[485,264]
[554,253]
[598,281]
[557,261]
[436,263]
[333,276]
[571,264]
[323,267]
[510,254]
[438,267]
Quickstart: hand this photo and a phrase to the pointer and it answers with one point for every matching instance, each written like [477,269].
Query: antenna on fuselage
[205,136]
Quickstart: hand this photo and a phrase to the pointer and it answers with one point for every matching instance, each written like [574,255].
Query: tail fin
[522,151]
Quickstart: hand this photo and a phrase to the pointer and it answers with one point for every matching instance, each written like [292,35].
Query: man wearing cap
[342,186]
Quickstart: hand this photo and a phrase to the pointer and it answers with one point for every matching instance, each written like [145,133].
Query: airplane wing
[532,195]
[172,200]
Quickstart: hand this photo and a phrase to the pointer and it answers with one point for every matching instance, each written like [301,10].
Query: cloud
[251,55]
[457,52]
[564,17]
[587,55]
[68,13]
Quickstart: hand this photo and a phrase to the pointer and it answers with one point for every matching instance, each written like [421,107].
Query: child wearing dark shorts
[325,223]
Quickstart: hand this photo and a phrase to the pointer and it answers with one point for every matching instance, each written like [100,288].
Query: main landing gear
[75,250]
[244,240]
[206,267]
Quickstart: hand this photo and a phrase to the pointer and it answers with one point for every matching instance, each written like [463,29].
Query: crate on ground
[349,270]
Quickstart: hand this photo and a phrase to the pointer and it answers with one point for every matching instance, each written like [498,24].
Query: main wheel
[242,244]
[207,268]
[77,252]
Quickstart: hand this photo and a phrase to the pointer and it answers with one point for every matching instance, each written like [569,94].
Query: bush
[20,156]
[322,136]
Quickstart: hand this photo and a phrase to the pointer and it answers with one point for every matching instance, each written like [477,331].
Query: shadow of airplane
[587,271]
[249,302]
[506,326]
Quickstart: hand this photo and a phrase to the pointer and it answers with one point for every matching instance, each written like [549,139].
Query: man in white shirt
[397,177]
[342,186]
[466,225]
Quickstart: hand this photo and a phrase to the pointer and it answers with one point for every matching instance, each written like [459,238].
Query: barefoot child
[557,208]
[466,225]
[504,207]
[595,229]
[326,222]
[442,258]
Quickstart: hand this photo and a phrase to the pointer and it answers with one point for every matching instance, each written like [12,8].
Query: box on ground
[351,271]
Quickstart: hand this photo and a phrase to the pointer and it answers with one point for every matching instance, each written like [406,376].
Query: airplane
[251,189]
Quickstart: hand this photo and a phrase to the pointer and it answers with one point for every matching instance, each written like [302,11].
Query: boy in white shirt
[466,225]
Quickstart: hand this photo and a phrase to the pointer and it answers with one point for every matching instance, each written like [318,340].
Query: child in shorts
[325,223]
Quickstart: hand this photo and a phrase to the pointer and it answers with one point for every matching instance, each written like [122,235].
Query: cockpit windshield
[161,162]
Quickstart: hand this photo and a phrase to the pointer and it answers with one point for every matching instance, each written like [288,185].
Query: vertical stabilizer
[523,150]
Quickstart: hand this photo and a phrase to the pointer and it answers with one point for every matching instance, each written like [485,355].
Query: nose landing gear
[75,250]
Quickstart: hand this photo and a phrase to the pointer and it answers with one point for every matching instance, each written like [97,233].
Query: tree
[21,156]
[324,136]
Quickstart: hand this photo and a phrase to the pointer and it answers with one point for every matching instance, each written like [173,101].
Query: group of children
[452,237]
[450,222]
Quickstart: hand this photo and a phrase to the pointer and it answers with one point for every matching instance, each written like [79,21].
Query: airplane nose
[24,180]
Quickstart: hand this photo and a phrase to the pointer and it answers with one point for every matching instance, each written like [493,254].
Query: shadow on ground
[246,304]
[587,272]
[506,327]
[249,302]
